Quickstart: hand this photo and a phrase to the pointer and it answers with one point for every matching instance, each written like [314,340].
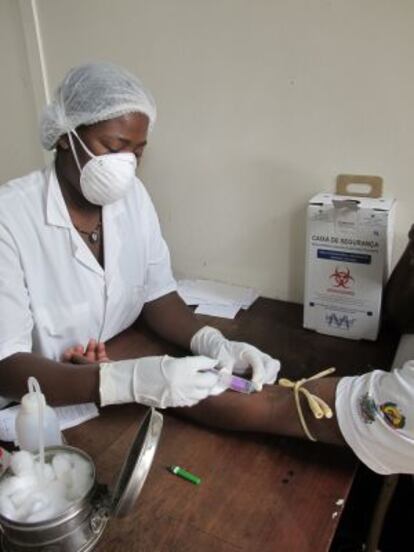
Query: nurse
[82,256]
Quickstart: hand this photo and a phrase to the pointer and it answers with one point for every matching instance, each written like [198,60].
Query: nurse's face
[126,134]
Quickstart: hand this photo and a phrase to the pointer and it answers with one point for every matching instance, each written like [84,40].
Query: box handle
[359,185]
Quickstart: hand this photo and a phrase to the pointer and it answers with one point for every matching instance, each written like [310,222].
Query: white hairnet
[91,93]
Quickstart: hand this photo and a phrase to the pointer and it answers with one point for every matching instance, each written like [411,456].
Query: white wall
[19,149]
[261,105]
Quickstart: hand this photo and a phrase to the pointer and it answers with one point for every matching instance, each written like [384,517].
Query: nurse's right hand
[160,381]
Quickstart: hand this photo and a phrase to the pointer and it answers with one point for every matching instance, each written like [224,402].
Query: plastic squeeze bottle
[37,425]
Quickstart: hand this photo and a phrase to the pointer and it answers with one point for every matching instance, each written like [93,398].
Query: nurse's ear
[63,142]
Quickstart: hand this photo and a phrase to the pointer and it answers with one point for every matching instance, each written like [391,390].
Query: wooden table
[258,492]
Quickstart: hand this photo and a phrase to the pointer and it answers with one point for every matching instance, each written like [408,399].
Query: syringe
[236,383]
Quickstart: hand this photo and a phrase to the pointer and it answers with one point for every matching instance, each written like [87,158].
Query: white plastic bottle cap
[29,402]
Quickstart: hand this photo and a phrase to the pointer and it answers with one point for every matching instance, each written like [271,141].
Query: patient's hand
[94,352]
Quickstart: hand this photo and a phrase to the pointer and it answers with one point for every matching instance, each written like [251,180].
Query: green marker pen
[185,474]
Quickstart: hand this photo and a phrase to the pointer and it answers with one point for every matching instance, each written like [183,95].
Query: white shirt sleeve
[376,417]
[16,321]
[159,279]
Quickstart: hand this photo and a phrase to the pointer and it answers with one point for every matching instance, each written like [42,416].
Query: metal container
[79,528]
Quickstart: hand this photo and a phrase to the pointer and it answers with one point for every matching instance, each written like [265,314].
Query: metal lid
[137,465]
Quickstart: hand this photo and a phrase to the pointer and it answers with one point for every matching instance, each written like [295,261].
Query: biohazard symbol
[342,278]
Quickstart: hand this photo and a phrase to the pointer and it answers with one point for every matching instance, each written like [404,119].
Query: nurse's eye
[113,146]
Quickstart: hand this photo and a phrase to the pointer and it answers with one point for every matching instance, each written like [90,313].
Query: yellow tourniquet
[319,407]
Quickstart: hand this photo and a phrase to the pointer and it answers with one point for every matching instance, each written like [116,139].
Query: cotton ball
[20,497]
[62,461]
[22,462]
[48,504]
[36,501]
[16,483]
[58,498]
[62,466]
[33,495]
[39,502]
[56,491]
[6,486]
[42,515]
[7,508]
[47,474]
[81,476]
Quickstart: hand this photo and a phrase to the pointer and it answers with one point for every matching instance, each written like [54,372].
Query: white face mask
[105,178]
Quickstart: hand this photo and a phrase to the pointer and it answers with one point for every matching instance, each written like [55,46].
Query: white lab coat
[53,292]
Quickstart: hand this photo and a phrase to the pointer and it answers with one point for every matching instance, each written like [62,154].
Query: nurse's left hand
[236,356]
[95,351]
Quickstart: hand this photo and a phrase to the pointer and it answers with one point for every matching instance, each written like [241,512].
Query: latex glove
[235,356]
[159,381]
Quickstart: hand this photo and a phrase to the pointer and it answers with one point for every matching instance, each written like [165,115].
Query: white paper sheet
[216,298]
[68,416]
[224,311]
[207,291]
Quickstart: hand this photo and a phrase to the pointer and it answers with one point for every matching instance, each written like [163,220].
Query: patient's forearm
[271,411]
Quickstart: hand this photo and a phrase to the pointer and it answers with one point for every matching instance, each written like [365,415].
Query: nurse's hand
[160,381]
[235,356]
[95,351]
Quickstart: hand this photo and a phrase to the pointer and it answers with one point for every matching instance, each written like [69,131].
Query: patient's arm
[271,411]
[374,411]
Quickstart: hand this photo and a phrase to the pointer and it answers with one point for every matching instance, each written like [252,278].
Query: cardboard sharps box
[348,256]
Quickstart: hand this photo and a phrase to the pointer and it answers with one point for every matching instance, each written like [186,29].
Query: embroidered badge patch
[393,415]
[368,409]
